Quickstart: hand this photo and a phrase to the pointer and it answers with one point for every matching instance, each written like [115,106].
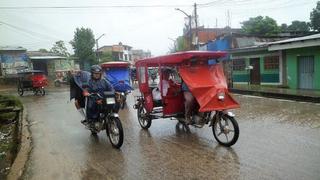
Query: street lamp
[98,46]
[189,17]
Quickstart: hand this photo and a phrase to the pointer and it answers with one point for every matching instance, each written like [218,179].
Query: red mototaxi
[202,73]
[206,82]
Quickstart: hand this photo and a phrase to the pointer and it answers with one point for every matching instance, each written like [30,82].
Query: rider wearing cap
[97,84]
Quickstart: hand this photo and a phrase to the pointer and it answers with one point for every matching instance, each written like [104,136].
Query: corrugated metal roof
[12,48]
[37,55]
[46,57]
[304,38]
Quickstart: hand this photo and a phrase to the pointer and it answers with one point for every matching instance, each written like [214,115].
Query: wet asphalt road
[278,140]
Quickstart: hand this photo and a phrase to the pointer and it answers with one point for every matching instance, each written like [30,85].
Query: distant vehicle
[118,74]
[32,80]
[62,77]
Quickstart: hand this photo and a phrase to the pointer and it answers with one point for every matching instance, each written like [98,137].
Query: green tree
[60,48]
[181,44]
[299,26]
[83,44]
[259,25]
[43,50]
[315,18]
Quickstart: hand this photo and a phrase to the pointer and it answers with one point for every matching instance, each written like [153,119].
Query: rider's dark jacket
[96,86]
[99,86]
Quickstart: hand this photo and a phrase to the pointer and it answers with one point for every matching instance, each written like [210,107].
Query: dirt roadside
[19,163]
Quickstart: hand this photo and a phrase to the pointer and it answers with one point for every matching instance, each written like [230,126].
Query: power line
[27,31]
[93,7]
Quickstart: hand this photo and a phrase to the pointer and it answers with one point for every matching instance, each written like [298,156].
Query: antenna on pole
[228,19]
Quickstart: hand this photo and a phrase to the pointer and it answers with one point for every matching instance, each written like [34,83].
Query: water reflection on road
[278,140]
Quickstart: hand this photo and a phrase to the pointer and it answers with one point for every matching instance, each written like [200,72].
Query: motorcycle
[108,118]
[62,77]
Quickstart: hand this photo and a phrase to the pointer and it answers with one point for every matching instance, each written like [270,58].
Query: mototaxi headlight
[110,101]
[221,96]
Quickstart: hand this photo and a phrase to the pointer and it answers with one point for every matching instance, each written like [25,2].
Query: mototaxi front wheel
[226,130]
[20,91]
[144,120]
[42,91]
[115,132]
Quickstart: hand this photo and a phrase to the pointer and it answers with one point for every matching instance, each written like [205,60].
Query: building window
[239,64]
[271,62]
[126,57]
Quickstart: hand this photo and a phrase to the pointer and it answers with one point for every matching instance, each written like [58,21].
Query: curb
[278,95]
[19,163]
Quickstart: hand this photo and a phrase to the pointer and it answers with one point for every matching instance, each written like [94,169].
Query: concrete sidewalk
[275,92]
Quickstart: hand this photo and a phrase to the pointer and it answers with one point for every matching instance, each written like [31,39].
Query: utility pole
[216,22]
[98,58]
[196,23]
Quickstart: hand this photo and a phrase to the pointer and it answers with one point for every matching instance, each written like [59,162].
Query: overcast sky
[142,24]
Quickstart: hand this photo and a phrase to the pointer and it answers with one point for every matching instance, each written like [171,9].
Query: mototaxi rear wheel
[144,120]
[226,130]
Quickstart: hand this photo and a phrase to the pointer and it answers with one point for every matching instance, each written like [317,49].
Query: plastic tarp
[205,83]
[119,78]
[82,78]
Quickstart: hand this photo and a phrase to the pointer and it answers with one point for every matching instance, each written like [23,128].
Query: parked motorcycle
[62,77]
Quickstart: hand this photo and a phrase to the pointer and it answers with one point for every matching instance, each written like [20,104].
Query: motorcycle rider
[96,84]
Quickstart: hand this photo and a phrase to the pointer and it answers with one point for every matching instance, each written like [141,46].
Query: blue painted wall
[219,45]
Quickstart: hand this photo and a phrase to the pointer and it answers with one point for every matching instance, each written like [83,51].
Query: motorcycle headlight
[221,96]
[110,101]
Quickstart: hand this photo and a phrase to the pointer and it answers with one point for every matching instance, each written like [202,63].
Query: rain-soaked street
[278,140]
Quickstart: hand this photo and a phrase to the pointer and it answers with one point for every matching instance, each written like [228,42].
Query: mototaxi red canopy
[206,83]
[179,57]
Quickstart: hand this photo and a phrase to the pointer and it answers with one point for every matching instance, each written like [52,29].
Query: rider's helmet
[96,72]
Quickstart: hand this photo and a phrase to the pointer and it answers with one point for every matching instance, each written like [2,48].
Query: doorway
[306,72]
[255,72]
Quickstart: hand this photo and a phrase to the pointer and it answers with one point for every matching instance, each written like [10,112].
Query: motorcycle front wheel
[226,130]
[115,132]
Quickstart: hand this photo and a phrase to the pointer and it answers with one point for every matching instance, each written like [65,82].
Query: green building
[257,65]
[293,63]
[302,61]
